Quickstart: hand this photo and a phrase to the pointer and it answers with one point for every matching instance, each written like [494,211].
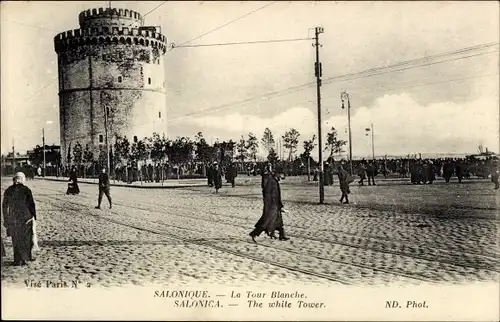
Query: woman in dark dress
[73,188]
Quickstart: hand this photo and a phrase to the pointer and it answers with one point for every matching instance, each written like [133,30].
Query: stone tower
[112,63]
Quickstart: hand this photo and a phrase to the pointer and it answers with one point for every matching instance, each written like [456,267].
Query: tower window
[135,138]
[101,138]
[149,80]
[159,115]
[119,79]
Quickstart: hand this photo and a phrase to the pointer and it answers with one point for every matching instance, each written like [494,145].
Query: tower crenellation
[98,16]
[111,63]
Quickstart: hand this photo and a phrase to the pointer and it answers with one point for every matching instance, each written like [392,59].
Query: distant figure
[371,172]
[231,174]
[344,180]
[430,172]
[210,174]
[447,170]
[39,171]
[271,219]
[19,212]
[104,188]
[217,177]
[361,174]
[73,188]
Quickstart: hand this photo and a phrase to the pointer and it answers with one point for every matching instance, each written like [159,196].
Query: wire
[228,23]
[309,85]
[408,62]
[154,9]
[391,89]
[411,67]
[244,42]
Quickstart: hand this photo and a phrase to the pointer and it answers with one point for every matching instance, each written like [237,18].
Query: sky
[449,107]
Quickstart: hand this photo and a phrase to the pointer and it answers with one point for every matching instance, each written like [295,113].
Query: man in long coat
[232,173]
[344,180]
[104,188]
[371,172]
[271,219]
[19,211]
[217,177]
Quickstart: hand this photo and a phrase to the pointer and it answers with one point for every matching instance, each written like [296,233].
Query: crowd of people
[19,209]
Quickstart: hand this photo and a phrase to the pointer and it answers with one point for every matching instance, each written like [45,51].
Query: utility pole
[373,143]
[13,158]
[43,144]
[105,107]
[318,72]
[344,96]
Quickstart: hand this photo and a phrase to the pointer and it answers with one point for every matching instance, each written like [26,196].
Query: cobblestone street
[392,233]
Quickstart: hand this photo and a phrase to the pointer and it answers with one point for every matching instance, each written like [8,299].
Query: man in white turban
[19,212]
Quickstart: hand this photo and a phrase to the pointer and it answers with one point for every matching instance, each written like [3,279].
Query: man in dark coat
[19,212]
[371,172]
[271,219]
[361,174]
[210,176]
[217,177]
[231,174]
[447,170]
[344,180]
[104,188]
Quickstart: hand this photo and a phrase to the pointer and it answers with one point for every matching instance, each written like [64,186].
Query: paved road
[392,234]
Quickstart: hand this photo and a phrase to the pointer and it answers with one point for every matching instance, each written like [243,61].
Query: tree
[272,157]
[242,150]
[204,152]
[333,143]
[121,151]
[308,147]
[78,155]
[227,152]
[291,141]
[158,146]
[268,140]
[88,157]
[68,156]
[252,146]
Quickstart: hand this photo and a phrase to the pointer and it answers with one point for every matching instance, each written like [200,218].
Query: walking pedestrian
[104,188]
[271,219]
[19,212]
[217,177]
[73,188]
[345,179]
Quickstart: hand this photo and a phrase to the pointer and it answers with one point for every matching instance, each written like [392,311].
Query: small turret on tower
[108,17]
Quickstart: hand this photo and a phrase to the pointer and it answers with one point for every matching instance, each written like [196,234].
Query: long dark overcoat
[271,218]
[18,207]
[217,178]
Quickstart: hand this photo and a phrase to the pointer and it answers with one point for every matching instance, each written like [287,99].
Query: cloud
[401,125]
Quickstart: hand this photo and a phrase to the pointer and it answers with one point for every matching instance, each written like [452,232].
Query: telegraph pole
[43,144]
[105,107]
[318,73]
[343,96]
[373,143]
[13,158]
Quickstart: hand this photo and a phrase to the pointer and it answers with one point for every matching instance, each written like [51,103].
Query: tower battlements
[111,81]
[109,15]
[103,35]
